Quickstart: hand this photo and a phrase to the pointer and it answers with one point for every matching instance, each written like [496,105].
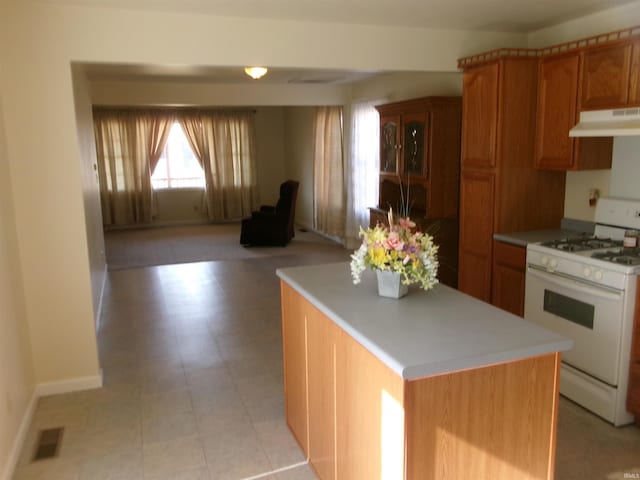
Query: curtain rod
[173,108]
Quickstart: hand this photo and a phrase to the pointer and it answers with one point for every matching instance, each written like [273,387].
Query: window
[178,167]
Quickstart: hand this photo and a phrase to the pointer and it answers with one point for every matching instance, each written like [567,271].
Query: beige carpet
[196,243]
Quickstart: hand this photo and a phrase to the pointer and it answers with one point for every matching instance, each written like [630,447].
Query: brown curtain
[224,144]
[329,211]
[129,144]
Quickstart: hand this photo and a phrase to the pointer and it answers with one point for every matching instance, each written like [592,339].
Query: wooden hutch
[420,164]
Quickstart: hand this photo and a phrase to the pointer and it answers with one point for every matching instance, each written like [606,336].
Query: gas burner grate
[582,244]
[624,256]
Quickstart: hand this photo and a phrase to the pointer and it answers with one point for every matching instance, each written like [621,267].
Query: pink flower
[393,242]
[406,223]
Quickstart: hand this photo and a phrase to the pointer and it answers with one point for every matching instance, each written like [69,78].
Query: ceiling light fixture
[255,72]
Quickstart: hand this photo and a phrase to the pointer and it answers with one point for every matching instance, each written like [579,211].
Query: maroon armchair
[272,225]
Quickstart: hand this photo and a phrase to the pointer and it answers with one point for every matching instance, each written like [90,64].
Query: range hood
[608,123]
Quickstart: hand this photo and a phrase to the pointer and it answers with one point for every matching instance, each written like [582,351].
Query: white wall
[179,207]
[299,159]
[90,189]
[576,203]
[271,138]
[16,369]
[624,16]
[625,171]
[398,86]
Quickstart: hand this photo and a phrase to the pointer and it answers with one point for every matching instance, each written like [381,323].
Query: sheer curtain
[224,143]
[329,213]
[362,167]
[129,144]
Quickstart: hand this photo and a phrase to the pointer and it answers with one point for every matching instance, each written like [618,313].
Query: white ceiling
[518,16]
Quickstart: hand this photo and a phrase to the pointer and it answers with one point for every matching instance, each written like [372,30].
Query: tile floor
[193,390]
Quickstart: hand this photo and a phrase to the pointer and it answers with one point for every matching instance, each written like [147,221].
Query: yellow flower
[378,256]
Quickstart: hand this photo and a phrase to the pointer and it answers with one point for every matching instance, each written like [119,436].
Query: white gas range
[585,289]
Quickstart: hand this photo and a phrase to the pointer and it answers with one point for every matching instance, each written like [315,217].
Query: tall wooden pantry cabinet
[420,160]
[501,191]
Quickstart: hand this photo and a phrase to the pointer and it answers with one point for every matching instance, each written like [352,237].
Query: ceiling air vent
[316,81]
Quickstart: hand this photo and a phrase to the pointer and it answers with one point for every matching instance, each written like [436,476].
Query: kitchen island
[436,385]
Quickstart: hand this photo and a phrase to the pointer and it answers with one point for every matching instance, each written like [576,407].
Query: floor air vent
[48,443]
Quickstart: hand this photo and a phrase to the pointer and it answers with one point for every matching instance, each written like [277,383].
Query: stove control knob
[586,271]
[597,274]
[553,263]
[544,260]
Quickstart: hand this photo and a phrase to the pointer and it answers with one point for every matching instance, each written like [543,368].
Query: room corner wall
[299,159]
[17,383]
[44,160]
[90,188]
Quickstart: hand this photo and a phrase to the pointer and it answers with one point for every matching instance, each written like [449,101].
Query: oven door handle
[584,286]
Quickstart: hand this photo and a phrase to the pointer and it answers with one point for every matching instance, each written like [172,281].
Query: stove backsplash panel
[625,168]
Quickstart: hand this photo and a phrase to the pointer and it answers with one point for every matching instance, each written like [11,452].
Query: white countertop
[424,333]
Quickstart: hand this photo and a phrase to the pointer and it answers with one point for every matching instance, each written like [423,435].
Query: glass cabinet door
[414,154]
[389,145]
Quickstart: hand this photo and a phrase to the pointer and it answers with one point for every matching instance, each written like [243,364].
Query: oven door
[588,314]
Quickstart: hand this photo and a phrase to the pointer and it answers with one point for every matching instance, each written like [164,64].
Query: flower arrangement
[398,248]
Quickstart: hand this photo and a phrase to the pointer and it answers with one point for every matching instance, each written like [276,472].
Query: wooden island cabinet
[371,391]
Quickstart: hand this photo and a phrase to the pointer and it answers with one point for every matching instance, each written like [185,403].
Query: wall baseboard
[69,385]
[21,436]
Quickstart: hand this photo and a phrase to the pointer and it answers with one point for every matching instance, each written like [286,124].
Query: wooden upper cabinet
[606,77]
[480,115]
[557,111]
[634,78]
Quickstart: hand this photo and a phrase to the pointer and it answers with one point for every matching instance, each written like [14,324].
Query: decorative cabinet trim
[572,46]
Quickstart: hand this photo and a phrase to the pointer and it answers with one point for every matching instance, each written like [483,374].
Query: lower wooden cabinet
[509,272]
[356,419]
[477,195]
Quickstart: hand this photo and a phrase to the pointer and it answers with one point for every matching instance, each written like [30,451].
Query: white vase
[390,284]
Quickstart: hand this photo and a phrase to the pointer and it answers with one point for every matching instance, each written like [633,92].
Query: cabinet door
[295,365]
[414,138]
[508,278]
[557,111]
[605,77]
[634,80]
[480,115]
[389,143]
[322,336]
[476,234]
